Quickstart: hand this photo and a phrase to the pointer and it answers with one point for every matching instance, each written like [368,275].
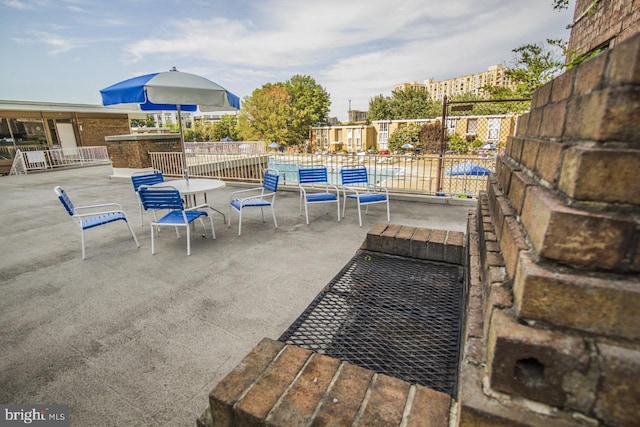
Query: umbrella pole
[185,168]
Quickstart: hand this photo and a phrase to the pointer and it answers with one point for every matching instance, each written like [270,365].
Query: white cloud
[24,4]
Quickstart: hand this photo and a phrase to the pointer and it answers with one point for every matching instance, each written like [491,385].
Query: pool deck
[129,338]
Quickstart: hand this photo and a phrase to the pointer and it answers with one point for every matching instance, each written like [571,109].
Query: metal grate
[397,316]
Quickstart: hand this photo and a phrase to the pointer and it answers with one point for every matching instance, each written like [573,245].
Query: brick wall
[94,130]
[610,21]
[553,333]
[132,151]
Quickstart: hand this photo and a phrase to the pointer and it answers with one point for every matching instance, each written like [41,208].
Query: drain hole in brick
[530,372]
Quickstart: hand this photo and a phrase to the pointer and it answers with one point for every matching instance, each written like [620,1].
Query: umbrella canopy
[274,145]
[467,168]
[489,147]
[407,146]
[171,90]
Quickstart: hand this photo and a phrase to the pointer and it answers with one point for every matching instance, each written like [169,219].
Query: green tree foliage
[310,103]
[457,144]
[535,64]
[408,133]
[411,103]
[226,127]
[560,4]
[140,123]
[266,114]
[284,112]
[379,108]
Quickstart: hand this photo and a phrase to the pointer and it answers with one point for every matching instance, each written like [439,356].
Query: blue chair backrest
[148,179]
[311,175]
[356,175]
[66,201]
[270,182]
[161,198]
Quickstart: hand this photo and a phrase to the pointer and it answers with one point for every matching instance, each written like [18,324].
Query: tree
[411,103]
[379,108]
[141,123]
[535,64]
[226,127]
[560,4]
[430,136]
[267,113]
[310,106]
[407,134]
[284,112]
[458,143]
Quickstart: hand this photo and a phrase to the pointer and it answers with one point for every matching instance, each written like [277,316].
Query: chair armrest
[79,215]
[103,205]
[379,187]
[245,191]
[195,208]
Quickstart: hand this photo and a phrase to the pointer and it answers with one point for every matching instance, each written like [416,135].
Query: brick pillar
[132,151]
[553,328]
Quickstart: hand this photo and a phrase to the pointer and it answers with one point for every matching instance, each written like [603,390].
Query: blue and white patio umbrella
[171,91]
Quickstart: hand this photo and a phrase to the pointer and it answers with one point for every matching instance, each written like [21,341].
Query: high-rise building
[471,83]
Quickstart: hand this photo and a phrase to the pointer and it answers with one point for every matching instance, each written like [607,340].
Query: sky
[67,50]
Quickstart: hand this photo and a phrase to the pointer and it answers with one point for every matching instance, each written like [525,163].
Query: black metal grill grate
[397,316]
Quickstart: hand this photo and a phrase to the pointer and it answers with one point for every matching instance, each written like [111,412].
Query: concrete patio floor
[126,338]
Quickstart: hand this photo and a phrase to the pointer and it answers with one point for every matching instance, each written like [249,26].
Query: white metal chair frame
[145,178]
[356,186]
[314,187]
[90,216]
[167,198]
[261,197]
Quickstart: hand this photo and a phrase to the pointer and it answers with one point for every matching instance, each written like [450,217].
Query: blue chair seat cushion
[321,197]
[175,217]
[106,218]
[256,201]
[369,197]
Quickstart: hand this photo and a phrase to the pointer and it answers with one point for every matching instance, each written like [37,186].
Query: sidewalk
[130,338]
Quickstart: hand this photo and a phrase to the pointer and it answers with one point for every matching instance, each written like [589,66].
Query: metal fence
[26,161]
[415,174]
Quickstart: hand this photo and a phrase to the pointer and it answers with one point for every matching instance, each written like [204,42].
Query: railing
[399,173]
[56,158]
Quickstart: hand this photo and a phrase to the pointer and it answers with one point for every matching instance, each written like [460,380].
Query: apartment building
[471,83]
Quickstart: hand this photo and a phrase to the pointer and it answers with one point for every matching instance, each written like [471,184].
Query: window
[472,126]
[349,139]
[22,131]
[359,139]
[494,129]
[383,136]
[451,125]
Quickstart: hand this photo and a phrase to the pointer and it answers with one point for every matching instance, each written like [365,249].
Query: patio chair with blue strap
[314,187]
[356,186]
[167,198]
[259,197]
[145,178]
[90,216]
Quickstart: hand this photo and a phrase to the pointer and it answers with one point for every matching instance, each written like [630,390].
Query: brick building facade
[602,24]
